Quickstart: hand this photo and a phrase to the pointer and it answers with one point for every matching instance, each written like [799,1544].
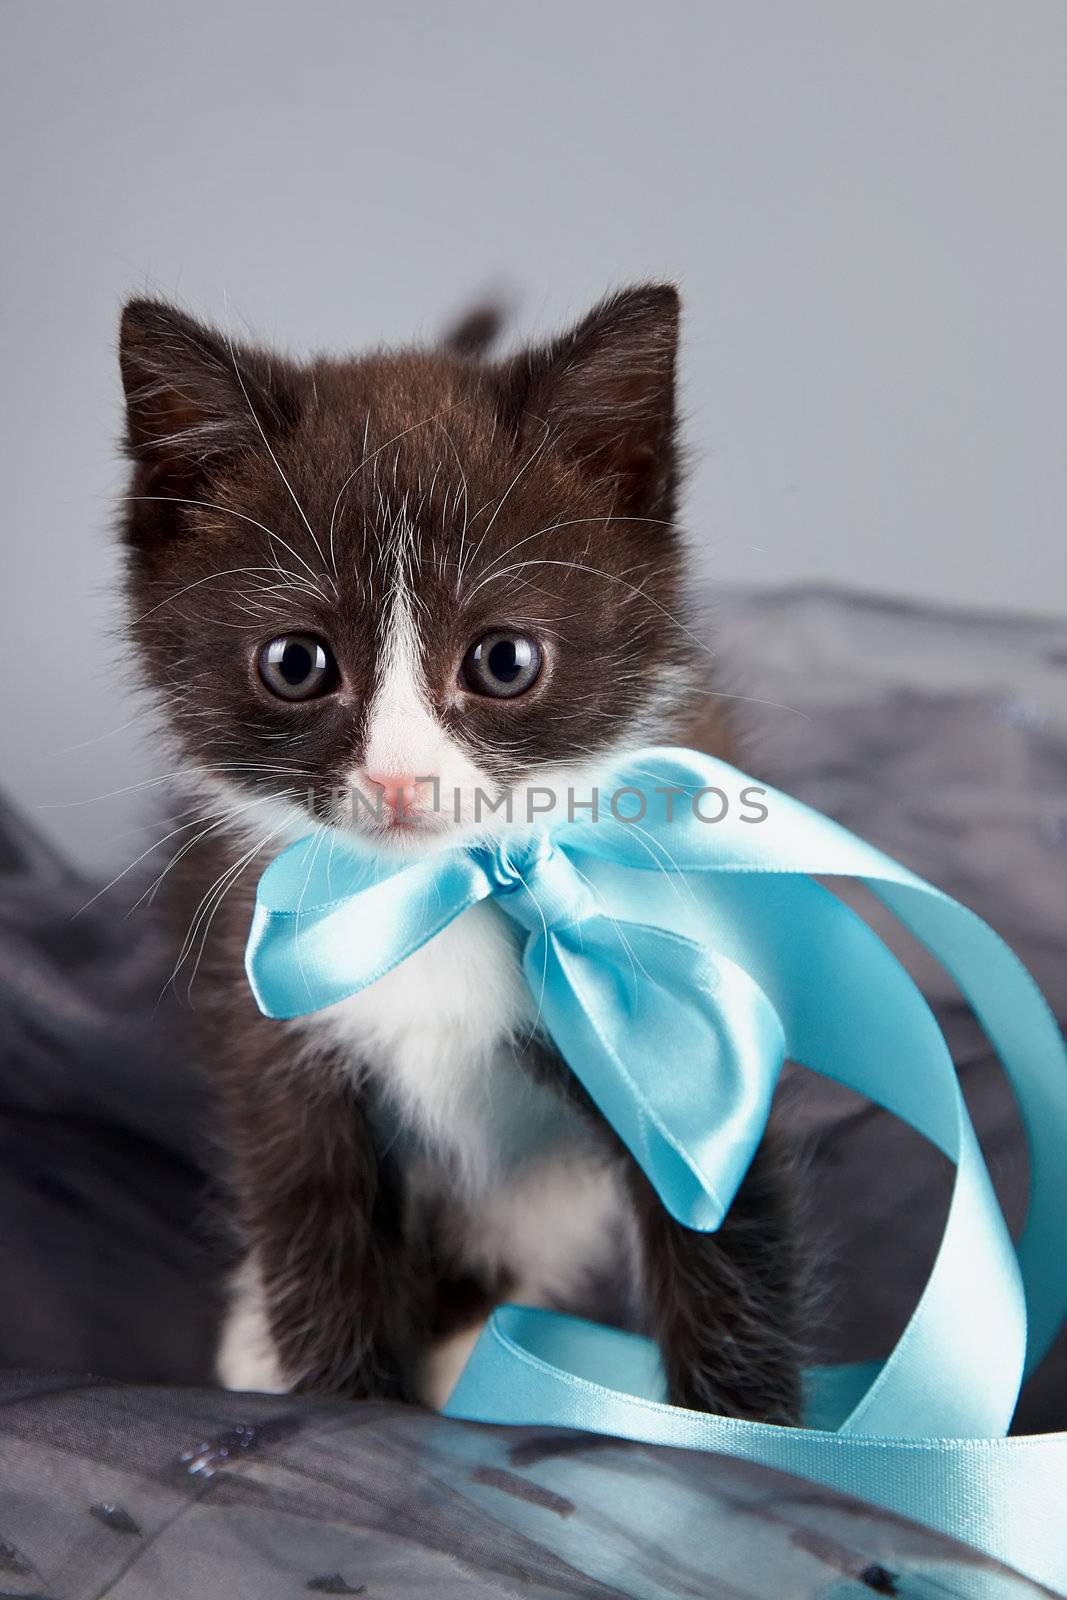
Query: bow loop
[679,1048]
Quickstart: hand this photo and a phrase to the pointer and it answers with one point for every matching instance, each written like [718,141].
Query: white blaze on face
[404,737]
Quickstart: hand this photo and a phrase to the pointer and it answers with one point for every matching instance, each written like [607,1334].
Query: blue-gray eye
[297,666]
[502,664]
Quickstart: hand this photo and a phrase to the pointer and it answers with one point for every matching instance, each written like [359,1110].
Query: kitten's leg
[444,1361]
[457,1304]
[449,1351]
[327,1284]
[723,1307]
[456,1297]
[549,1236]
[247,1357]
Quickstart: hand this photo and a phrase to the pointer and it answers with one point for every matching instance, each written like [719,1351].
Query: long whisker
[147,897]
[544,965]
[340,492]
[636,589]
[217,894]
[466,498]
[270,452]
[227,511]
[220,819]
[531,458]
[572,522]
[226,572]
[261,767]
[366,462]
[152,848]
[98,738]
[317,838]
[615,923]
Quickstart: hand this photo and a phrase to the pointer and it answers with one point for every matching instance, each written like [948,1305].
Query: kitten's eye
[296,666]
[502,664]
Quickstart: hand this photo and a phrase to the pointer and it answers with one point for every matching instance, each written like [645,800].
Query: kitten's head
[351,577]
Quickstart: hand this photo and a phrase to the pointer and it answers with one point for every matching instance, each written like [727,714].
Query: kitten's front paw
[247,1359]
[443,1364]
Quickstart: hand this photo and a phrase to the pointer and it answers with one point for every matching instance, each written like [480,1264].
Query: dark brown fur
[579,434]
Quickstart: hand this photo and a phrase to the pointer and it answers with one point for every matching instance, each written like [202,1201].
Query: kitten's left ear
[606,393]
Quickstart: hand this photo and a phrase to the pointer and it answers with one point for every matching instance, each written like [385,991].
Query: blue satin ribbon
[675,963]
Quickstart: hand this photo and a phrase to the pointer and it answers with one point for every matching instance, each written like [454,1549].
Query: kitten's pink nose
[399,790]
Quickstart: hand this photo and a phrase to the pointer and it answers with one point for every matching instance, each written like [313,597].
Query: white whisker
[270,452]
[366,462]
[227,511]
[206,913]
[531,458]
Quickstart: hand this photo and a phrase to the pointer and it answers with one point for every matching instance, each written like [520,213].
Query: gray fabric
[940,737]
[156,1494]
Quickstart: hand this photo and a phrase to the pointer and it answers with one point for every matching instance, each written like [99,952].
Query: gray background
[864,205]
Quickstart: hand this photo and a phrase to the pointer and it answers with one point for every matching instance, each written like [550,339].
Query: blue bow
[675,961]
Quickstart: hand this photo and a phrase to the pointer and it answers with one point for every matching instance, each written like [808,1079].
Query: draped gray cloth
[941,737]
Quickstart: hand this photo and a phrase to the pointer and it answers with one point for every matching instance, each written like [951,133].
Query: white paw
[443,1364]
[247,1358]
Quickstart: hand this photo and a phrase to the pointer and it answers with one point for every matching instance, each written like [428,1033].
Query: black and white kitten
[345,575]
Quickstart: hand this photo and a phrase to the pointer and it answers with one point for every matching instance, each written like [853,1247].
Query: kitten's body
[534,1189]
[410,1157]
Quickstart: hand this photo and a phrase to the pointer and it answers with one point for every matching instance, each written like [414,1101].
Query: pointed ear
[606,392]
[192,397]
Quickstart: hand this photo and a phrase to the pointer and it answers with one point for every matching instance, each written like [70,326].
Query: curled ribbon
[675,964]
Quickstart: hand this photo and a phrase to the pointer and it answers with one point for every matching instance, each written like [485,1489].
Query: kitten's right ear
[605,393]
[192,397]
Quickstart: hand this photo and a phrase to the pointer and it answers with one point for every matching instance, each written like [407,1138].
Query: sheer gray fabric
[940,737]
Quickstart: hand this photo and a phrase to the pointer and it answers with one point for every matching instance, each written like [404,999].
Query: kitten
[345,575]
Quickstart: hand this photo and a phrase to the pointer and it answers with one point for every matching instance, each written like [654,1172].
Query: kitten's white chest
[540,1195]
[540,1190]
[440,1035]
